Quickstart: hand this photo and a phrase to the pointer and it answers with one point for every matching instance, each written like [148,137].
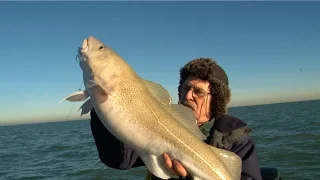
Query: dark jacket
[240,143]
[115,154]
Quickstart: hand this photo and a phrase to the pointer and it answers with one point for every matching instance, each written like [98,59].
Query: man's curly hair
[207,69]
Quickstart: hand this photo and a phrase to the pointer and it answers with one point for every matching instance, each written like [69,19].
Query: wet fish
[141,115]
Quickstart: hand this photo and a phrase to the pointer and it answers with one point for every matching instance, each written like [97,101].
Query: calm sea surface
[287,137]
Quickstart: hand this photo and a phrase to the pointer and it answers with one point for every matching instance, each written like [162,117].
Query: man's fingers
[179,168]
[174,166]
[167,160]
[168,163]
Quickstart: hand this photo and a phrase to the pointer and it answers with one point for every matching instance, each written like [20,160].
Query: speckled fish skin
[128,109]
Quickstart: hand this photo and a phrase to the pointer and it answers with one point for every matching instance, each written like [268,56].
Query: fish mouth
[83,50]
[83,56]
[80,55]
[85,46]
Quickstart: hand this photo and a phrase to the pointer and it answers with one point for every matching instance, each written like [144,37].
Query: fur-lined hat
[207,69]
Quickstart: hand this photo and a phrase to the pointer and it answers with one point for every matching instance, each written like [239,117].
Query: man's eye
[198,91]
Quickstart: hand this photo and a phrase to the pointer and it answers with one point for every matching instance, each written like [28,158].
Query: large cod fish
[140,114]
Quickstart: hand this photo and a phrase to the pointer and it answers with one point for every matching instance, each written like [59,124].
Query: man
[204,88]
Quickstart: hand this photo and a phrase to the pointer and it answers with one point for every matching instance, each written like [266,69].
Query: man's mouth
[192,107]
[186,103]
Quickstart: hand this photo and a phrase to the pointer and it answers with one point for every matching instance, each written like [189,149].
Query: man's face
[196,95]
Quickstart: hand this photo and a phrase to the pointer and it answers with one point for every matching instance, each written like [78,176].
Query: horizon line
[88,118]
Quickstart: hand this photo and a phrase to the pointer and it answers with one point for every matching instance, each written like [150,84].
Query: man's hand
[175,166]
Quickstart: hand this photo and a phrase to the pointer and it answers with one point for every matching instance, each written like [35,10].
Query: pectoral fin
[86,107]
[231,161]
[186,117]
[76,96]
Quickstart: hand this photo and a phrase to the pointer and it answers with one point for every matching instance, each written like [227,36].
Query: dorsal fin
[185,116]
[158,92]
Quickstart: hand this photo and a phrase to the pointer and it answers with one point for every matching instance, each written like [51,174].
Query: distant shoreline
[61,120]
[274,103]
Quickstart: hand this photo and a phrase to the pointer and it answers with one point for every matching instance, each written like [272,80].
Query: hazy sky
[270,50]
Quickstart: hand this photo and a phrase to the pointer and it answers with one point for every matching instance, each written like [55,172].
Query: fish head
[93,54]
[97,60]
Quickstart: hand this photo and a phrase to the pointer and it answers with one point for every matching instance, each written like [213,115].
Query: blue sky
[261,45]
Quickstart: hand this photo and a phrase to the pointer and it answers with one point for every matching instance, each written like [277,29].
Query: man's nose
[189,95]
